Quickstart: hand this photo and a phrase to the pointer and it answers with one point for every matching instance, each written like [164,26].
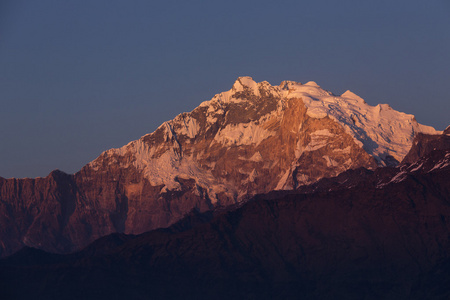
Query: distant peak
[249,78]
[312,83]
[350,95]
[244,81]
[58,174]
[447,130]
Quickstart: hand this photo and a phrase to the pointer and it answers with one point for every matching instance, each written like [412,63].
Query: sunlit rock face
[252,139]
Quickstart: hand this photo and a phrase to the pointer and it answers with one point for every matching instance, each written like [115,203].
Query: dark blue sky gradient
[80,77]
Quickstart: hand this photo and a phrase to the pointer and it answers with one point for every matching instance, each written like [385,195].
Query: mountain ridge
[252,139]
[385,237]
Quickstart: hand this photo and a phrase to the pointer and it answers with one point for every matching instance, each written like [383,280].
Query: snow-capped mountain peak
[252,139]
[257,137]
[243,83]
[350,95]
[312,83]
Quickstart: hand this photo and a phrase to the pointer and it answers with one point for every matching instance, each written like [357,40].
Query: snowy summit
[257,137]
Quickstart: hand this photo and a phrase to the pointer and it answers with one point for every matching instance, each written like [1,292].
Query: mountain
[379,234]
[252,139]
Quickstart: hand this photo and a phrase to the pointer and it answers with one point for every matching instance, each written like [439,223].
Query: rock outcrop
[425,143]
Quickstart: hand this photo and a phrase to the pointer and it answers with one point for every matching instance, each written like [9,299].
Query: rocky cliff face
[425,143]
[253,139]
[36,211]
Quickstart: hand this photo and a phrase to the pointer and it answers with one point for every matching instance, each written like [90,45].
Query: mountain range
[253,139]
[364,234]
[262,192]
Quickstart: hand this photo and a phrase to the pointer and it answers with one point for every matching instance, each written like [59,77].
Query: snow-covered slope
[381,130]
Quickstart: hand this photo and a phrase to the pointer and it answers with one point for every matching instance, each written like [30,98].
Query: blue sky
[80,77]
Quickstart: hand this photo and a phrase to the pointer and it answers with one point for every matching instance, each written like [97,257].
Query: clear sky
[83,76]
